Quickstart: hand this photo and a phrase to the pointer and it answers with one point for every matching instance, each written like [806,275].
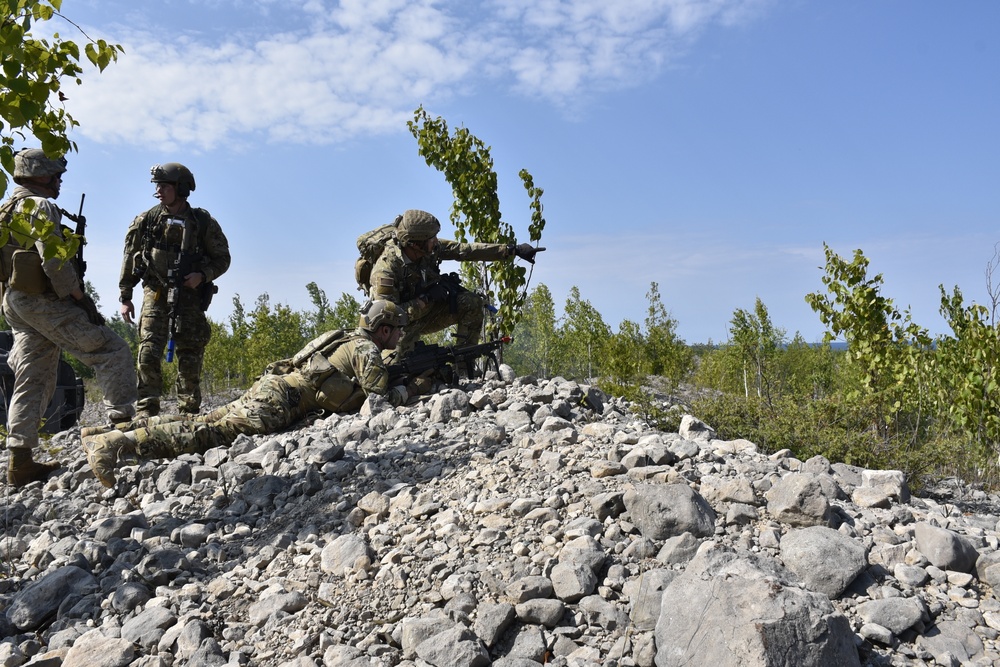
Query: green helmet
[32,162]
[376,313]
[176,173]
[417,226]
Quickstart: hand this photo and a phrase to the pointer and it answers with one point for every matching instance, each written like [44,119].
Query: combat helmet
[417,226]
[176,173]
[33,162]
[376,313]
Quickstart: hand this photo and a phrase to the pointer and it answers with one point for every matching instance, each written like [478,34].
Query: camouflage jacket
[152,245]
[398,279]
[63,276]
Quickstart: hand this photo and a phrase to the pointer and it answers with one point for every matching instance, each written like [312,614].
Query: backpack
[325,344]
[370,246]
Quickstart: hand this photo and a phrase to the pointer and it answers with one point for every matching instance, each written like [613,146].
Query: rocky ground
[511,522]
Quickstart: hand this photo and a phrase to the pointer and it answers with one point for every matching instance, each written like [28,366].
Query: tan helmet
[376,313]
[417,226]
[176,173]
[32,162]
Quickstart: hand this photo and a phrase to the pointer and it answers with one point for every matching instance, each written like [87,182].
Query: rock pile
[513,522]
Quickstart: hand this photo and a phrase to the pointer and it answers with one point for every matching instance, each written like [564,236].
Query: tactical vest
[161,243]
[320,383]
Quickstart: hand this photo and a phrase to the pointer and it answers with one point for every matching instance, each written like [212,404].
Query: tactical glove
[437,292]
[525,251]
[87,305]
[422,384]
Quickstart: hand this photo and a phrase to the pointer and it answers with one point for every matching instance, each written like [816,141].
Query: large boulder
[731,611]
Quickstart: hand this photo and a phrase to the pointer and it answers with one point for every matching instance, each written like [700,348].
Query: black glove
[87,305]
[525,251]
[437,292]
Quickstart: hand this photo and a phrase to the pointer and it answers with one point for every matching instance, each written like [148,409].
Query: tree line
[893,398]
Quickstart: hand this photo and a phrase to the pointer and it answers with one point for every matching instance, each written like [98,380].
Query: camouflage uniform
[45,321]
[396,278]
[335,381]
[151,248]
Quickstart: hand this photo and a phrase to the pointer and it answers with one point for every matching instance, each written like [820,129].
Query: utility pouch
[26,273]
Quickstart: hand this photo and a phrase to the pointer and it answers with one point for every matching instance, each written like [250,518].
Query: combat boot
[23,470]
[103,452]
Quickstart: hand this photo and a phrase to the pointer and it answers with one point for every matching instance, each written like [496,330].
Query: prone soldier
[176,251]
[335,372]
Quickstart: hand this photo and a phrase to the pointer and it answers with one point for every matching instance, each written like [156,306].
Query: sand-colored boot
[103,452]
[22,469]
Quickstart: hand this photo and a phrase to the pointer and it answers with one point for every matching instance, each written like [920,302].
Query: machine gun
[445,358]
[181,266]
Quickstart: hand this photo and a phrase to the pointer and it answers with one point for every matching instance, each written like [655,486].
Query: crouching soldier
[335,372]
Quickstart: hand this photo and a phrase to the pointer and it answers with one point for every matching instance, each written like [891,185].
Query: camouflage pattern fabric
[274,402]
[151,248]
[395,278]
[43,326]
[269,406]
[192,336]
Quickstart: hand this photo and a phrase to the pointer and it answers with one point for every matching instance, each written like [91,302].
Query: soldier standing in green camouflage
[408,272]
[334,373]
[153,245]
[49,312]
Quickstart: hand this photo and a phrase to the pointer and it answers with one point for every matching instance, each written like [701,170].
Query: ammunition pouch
[339,393]
[26,274]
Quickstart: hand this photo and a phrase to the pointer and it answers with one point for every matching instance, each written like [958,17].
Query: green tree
[968,393]
[889,356]
[467,165]
[623,365]
[31,101]
[757,342]
[533,348]
[345,313]
[582,336]
[666,354]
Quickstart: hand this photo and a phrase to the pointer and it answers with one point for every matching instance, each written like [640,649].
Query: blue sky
[711,146]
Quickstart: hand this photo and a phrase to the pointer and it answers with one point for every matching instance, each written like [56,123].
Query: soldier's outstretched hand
[526,251]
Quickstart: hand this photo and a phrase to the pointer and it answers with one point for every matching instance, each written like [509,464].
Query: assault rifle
[445,358]
[81,230]
[182,266]
[446,288]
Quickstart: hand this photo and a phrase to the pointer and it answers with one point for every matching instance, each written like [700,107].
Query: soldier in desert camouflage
[333,373]
[48,312]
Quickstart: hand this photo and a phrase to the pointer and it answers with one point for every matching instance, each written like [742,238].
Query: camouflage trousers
[192,335]
[44,325]
[269,406]
[468,318]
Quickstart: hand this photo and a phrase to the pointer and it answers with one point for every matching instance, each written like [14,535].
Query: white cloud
[362,66]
